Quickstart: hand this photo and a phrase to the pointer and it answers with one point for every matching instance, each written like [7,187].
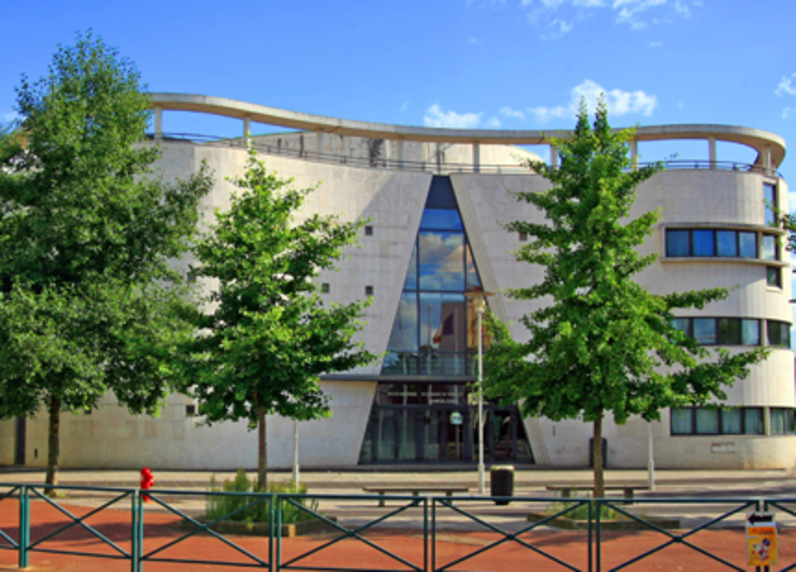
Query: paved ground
[401,531]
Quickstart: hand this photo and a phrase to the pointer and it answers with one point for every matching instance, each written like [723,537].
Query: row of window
[724,243]
[734,421]
[734,331]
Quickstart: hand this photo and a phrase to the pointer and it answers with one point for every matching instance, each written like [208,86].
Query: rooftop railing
[431,166]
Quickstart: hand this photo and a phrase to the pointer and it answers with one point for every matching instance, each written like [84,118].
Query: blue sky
[516,64]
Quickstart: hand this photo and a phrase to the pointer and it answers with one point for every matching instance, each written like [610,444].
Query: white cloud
[789,113]
[785,87]
[556,29]
[493,123]
[435,117]
[634,13]
[619,102]
[509,112]
[656,44]
[404,106]
[8,118]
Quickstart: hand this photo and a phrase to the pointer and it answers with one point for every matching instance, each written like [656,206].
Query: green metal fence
[129,530]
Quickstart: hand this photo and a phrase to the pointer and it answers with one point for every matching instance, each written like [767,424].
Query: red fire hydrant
[147,480]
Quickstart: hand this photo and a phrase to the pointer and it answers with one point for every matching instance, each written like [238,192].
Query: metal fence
[413,533]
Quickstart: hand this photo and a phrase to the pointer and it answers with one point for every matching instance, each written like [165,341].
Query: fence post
[137,532]
[590,543]
[271,525]
[598,563]
[425,533]
[24,526]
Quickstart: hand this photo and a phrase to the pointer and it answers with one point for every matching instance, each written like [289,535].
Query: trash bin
[501,482]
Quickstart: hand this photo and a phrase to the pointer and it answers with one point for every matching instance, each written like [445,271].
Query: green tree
[603,344]
[267,335]
[88,300]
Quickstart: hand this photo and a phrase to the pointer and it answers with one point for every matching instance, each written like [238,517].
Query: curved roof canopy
[757,139]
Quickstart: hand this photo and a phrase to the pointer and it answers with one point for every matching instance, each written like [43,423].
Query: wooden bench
[394,490]
[567,490]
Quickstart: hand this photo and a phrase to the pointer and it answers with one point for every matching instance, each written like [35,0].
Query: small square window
[705,331]
[678,243]
[190,410]
[368,290]
[368,231]
[750,332]
[748,243]
[773,276]
[325,288]
[704,243]
[727,243]
[523,237]
[191,278]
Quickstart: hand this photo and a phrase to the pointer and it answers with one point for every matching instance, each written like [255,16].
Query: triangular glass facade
[433,333]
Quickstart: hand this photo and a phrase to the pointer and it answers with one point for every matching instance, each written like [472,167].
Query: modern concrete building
[435,199]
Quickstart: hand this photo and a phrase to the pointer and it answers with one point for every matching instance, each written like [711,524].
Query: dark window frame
[715,239]
[720,340]
[721,431]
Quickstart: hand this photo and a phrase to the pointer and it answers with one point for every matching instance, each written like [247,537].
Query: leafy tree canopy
[89,301]
[603,343]
[267,335]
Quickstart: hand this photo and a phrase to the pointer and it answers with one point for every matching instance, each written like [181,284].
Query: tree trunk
[53,444]
[262,450]
[597,455]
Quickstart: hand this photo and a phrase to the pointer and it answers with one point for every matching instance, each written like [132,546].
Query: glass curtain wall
[431,415]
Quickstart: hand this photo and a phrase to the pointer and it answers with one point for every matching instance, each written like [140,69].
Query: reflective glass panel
[400,363]
[778,334]
[773,276]
[703,243]
[727,242]
[770,247]
[729,331]
[404,329]
[770,200]
[442,322]
[473,282]
[681,324]
[441,219]
[781,421]
[705,331]
[750,332]
[748,241]
[707,421]
[411,271]
[677,243]
[441,260]
[753,421]
[682,420]
[731,421]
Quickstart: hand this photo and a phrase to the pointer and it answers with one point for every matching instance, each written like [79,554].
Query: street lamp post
[479,305]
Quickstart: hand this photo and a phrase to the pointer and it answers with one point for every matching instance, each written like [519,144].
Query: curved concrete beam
[757,139]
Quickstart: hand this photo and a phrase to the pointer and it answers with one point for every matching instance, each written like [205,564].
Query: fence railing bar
[211,562]
[79,520]
[200,528]
[354,533]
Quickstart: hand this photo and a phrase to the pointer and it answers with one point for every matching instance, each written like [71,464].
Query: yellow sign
[761,539]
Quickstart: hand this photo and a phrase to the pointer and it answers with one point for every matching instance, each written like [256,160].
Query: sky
[513,64]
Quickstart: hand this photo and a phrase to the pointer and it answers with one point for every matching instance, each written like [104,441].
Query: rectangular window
[750,332]
[773,276]
[707,421]
[770,204]
[682,324]
[682,421]
[748,244]
[678,243]
[727,241]
[770,250]
[731,422]
[705,331]
[753,421]
[778,334]
[729,330]
[781,421]
[704,244]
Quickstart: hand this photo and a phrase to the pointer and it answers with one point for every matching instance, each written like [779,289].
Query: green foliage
[581,511]
[270,335]
[267,336]
[219,506]
[88,299]
[602,343]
